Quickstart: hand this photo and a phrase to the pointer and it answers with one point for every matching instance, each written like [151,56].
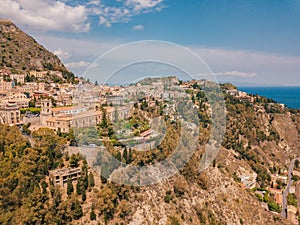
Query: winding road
[286,191]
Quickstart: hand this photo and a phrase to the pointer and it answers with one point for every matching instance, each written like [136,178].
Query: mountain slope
[20,52]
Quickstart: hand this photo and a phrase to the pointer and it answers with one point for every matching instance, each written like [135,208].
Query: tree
[83,196]
[107,202]
[74,161]
[76,210]
[273,206]
[125,153]
[118,156]
[72,138]
[96,83]
[193,98]
[67,157]
[32,103]
[25,129]
[93,215]
[56,197]
[78,187]
[91,180]
[292,199]
[84,177]
[130,159]
[214,163]
[104,123]
[70,188]
[123,209]
[44,187]
[297,163]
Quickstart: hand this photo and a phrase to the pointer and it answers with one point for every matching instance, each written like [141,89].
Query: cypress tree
[119,157]
[70,188]
[76,210]
[125,155]
[129,156]
[93,215]
[83,196]
[56,197]
[78,187]
[91,180]
[85,181]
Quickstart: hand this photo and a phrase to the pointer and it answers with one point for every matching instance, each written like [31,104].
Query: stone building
[46,111]
[61,119]
[38,74]
[19,99]
[10,114]
[61,176]
[19,78]
[5,86]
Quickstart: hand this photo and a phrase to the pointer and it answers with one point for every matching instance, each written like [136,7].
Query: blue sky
[248,42]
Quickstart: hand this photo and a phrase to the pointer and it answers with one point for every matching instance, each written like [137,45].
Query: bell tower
[46,111]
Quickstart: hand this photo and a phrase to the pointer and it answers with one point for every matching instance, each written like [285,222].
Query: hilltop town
[32,101]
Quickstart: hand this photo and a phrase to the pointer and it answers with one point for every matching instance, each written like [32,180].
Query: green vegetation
[173,220]
[25,129]
[25,195]
[84,136]
[245,130]
[91,179]
[168,197]
[22,170]
[70,188]
[273,206]
[292,199]
[31,110]
[93,215]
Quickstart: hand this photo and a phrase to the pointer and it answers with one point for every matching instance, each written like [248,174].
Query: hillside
[20,52]
[260,140]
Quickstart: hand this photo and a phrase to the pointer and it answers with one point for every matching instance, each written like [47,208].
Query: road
[286,191]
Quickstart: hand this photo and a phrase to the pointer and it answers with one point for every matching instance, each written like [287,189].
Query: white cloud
[235,73]
[269,68]
[138,27]
[62,15]
[109,14]
[227,65]
[142,4]
[94,2]
[46,15]
[104,21]
[76,65]
[61,54]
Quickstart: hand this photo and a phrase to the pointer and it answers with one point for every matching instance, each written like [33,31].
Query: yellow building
[61,119]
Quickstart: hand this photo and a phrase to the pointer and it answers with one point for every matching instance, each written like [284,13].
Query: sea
[290,96]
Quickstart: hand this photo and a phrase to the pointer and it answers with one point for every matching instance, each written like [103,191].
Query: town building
[61,119]
[10,114]
[277,195]
[38,74]
[46,111]
[19,78]
[5,86]
[20,99]
[61,176]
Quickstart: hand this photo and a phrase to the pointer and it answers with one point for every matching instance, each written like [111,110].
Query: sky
[243,42]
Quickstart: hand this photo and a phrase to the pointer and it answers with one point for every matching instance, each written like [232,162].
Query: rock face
[20,52]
